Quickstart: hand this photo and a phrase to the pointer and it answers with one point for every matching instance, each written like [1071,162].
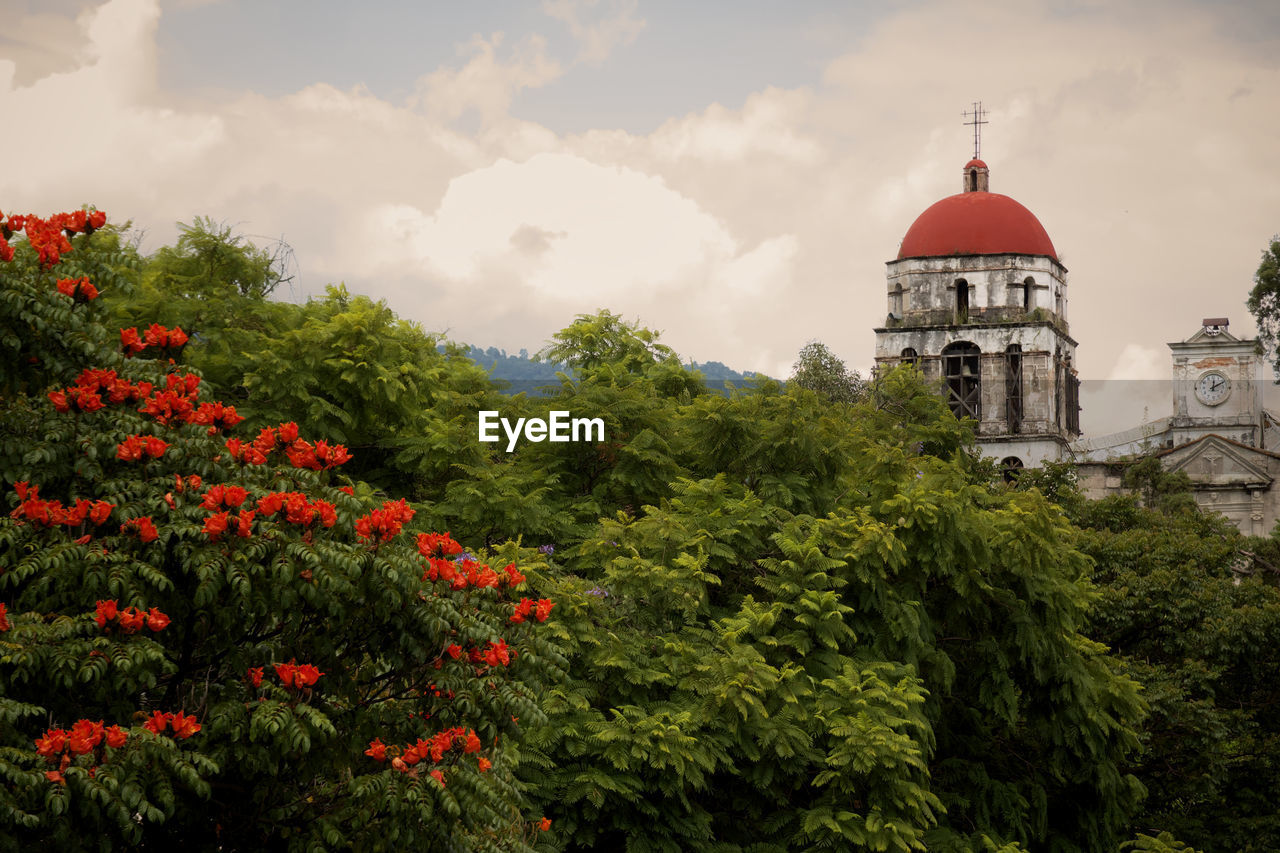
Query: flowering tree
[205,635]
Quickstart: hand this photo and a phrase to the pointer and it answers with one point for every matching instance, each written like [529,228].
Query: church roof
[976,223]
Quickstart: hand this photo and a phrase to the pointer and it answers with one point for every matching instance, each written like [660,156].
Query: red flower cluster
[223,495]
[46,235]
[384,523]
[297,508]
[133,448]
[83,738]
[184,726]
[4,617]
[494,654]
[217,524]
[142,526]
[157,336]
[438,545]
[130,619]
[53,513]
[320,456]
[81,287]
[176,401]
[254,675]
[432,750]
[215,416]
[540,611]
[297,675]
[86,394]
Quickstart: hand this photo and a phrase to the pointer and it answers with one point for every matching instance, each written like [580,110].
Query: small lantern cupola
[976,177]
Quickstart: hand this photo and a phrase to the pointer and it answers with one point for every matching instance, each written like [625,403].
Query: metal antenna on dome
[977,122]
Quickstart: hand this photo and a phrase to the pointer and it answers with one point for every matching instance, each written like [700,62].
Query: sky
[734,174]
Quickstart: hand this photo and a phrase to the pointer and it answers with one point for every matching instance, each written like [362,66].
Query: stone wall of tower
[1015,302]
[1002,288]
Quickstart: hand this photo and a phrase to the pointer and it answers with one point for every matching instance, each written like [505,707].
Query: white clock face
[1213,388]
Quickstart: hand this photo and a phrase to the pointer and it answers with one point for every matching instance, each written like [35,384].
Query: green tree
[836,640]
[1264,302]
[818,369]
[1192,610]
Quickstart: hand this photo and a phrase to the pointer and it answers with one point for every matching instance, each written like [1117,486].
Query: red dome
[976,223]
[975,164]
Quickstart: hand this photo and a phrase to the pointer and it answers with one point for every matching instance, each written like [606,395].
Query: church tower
[978,302]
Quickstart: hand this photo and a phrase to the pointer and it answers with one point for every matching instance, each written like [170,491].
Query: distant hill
[521,373]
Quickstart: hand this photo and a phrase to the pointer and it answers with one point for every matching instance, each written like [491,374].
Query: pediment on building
[1213,332]
[1217,462]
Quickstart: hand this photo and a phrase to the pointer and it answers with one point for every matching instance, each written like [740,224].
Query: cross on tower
[977,121]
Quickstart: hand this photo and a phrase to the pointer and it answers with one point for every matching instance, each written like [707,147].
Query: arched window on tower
[1013,387]
[1011,468]
[973,180]
[909,356]
[962,300]
[1028,287]
[961,367]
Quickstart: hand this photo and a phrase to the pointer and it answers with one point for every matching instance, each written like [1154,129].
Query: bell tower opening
[962,369]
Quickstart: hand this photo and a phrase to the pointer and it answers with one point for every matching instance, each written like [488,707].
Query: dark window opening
[961,367]
[1073,399]
[973,180]
[909,356]
[962,300]
[1011,468]
[1013,387]
[1027,287]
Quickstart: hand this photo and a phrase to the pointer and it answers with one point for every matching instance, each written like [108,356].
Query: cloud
[571,230]
[742,228]
[615,25]
[486,83]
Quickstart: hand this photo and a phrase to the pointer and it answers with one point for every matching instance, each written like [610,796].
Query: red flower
[438,776]
[143,526]
[156,620]
[472,742]
[155,447]
[543,609]
[485,764]
[116,737]
[131,620]
[106,612]
[53,742]
[377,750]
[216,525]
[184,726]
[4,617]
[454,651]
[514,577]
[84,736]
[130,342]
[307,675]
[157,722]
[244,523]
[544,824]
[297,675]
[522,610]
[255,676]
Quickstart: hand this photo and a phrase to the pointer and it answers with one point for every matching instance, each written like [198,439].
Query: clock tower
[1216,386]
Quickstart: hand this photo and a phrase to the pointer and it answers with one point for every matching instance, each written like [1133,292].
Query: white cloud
[575,231]
[617,25]
[486,83]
